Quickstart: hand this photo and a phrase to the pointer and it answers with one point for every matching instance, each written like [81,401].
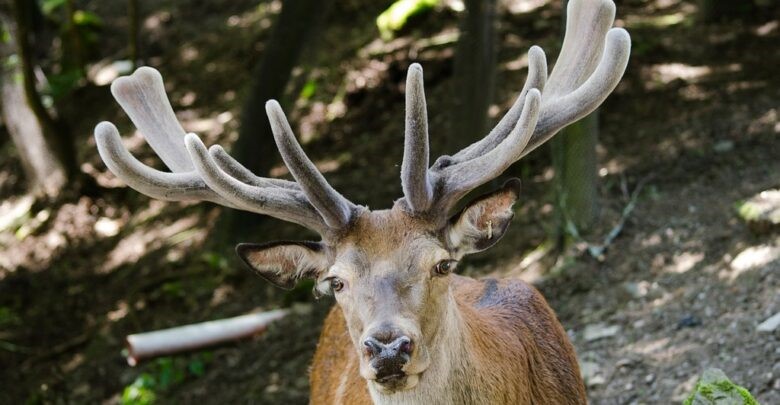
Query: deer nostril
[405,345]
[372,347]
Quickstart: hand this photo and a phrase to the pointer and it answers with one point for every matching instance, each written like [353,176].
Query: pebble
[769,325]
[599,331]
[688,321]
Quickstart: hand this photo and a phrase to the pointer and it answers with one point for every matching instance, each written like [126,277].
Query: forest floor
[681,289]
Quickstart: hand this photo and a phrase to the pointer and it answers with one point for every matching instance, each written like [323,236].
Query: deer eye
[336,284]
[445,267]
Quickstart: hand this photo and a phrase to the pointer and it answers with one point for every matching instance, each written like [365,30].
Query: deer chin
[395,383]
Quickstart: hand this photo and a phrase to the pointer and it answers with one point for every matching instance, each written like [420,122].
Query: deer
[405,327]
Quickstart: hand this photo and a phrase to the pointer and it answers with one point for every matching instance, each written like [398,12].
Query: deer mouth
[389,384]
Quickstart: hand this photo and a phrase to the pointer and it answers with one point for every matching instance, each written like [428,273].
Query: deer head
[387,269]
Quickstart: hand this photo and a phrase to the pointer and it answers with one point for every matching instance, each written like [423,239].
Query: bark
[57,139]
[294,31]
[475,61]
[42,169]
[576,176]
[29,124]
[133,32]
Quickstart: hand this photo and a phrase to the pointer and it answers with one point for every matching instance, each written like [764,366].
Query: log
[189,337]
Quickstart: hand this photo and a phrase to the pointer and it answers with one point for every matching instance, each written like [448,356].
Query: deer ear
[484,221]
[284,263]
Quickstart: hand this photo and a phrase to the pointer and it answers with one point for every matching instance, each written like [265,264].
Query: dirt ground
[681,289]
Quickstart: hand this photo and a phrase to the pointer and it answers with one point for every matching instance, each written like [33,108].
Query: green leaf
[48,7]
[84,18]
[398,14]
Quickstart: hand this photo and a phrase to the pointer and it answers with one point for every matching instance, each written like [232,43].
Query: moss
[715,386]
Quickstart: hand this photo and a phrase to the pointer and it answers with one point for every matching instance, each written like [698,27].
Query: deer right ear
[284,263]
[484,221]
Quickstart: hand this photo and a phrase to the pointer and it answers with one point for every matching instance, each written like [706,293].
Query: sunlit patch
[137,244]
[524,6]
[120,312]
[752,258]
[685,261]
[767,28]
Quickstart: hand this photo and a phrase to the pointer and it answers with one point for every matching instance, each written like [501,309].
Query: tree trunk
[297,23]
[45,175]
[57,138]
[46,155]
[133,33]
[475,61]
[576,176]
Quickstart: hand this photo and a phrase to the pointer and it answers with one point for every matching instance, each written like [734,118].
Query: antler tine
[462,178]
[182,186]
[536,79]
[142,96]
[335,210]
[592,61]
[213,175]
[414,168]
[561,111]
[274,201]
[237,170]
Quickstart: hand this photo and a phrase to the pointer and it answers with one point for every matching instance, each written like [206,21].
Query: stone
[599,331]
[591,373]
[714,388]
[770,325]
[762,211]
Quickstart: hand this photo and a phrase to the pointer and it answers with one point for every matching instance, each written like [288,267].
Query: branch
[183,338]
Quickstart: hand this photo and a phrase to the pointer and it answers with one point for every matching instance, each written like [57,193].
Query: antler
[591,63]
[211,174]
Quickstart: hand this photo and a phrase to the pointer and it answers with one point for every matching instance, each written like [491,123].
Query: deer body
[406,330]
[502,345]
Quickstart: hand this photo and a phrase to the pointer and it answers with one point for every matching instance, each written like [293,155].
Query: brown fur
[521,353]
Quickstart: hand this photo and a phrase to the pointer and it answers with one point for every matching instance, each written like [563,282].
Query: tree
[44,146]
[475,62]
[298,22]
[576,176]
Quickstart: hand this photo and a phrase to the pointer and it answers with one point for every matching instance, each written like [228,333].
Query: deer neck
[453,376]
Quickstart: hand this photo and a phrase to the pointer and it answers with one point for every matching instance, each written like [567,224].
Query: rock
[771,324]
[688,321]
[599,331]
[762,211]
[723,146]
[591,373]
[714,388]
[637,289]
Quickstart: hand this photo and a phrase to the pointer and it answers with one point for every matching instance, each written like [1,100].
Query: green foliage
[8,317]
[63,83]
[48,7]
[163,374]
[216,261]
[140,392]
[308,90]
[398,14]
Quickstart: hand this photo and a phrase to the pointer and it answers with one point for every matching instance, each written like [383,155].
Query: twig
[597,251]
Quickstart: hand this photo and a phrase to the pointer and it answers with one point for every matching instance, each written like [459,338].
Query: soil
[695,121]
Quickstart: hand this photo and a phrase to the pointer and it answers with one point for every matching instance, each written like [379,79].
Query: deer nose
[388,356]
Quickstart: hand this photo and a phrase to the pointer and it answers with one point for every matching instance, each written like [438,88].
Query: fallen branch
[183,338]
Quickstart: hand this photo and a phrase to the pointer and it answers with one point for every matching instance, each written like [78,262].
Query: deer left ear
[284,263]
[484,221]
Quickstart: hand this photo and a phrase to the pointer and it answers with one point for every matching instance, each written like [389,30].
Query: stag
[406,329]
